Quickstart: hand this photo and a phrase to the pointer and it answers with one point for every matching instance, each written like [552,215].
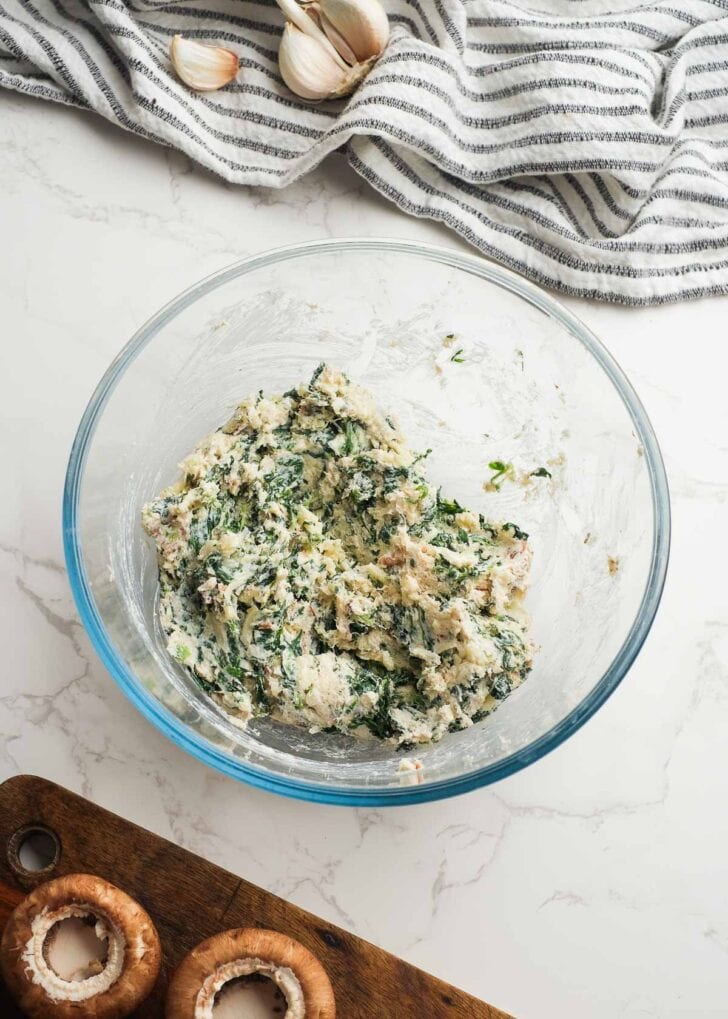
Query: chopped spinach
[450,507]
[501,470]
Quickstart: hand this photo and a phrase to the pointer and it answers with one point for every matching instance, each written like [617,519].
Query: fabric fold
[588,152]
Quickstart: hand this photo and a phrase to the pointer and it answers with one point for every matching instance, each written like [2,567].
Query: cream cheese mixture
[309,571]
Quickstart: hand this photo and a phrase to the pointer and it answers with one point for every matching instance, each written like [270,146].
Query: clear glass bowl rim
[196,745]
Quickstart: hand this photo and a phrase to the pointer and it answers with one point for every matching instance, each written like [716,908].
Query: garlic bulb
[201,66]
[329,46]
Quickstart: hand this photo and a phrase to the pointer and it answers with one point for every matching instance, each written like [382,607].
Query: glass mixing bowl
[531,386]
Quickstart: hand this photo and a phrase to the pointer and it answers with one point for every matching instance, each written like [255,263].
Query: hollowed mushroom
[78,946]
[208,973]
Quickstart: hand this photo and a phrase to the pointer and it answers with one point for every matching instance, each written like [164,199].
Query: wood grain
[190,899]
[9,899]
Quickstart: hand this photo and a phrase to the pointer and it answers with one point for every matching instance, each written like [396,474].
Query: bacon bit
[392,558]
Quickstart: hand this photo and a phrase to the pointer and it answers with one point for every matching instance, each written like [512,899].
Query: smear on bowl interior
[309,571]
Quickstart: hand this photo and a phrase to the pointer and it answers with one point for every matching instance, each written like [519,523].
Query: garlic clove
[306,66]
[201,66]
[336,38]
[362,23]
[308,24]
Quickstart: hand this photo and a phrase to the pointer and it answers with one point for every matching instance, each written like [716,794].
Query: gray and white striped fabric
[583,143]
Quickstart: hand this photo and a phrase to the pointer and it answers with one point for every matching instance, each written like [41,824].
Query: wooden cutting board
[189,899]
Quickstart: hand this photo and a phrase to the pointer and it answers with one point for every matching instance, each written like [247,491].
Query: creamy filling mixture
[309,571]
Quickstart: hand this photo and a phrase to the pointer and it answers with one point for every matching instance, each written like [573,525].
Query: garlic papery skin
[308,69]
[201,66]
[328,47]
[362,24]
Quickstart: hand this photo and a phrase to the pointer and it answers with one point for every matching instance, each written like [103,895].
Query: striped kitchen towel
[583,143]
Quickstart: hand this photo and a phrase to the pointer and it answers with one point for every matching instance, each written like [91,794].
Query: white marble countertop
[593,885]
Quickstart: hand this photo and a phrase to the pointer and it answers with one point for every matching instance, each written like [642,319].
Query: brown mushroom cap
[128,925]
[187,994]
